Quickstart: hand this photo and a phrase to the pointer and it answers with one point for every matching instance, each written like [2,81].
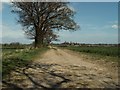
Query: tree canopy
[41,19]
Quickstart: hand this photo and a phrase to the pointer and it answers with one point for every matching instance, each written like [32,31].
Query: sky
[98,23]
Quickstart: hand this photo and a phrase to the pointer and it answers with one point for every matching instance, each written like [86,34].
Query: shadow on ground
[34,76]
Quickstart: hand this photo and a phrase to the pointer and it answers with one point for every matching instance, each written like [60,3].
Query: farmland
[106,51]
[110,53]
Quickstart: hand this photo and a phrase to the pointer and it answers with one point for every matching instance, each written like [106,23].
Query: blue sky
[98,24]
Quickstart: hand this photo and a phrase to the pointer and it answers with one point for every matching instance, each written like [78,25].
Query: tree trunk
[39,38]
[38,41]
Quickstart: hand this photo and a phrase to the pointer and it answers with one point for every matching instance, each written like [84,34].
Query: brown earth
[59,68]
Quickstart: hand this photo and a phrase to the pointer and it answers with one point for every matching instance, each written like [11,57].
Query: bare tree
[40,19]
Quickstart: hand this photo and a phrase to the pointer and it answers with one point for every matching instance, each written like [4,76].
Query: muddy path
[58,68]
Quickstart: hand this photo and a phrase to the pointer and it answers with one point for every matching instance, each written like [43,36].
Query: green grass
[97,53]
[18,58]
[106,51]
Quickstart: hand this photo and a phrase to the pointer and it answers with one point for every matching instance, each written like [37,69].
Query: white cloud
[8,31]
[13,34]
[108,26]
[115,26]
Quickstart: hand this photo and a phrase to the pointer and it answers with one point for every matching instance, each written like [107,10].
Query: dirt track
[59,68]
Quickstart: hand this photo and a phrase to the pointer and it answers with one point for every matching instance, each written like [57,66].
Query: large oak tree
[41,19]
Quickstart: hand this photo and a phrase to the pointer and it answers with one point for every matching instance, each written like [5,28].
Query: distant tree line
[15,45]
[84,44]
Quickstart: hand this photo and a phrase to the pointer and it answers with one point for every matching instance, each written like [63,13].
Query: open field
[106,51]
[109,53]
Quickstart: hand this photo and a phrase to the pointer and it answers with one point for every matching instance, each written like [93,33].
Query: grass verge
[18,58]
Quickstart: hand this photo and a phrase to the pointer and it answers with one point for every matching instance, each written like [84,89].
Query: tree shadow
[44,67]
[11,86]
[36,84]
[8,65]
